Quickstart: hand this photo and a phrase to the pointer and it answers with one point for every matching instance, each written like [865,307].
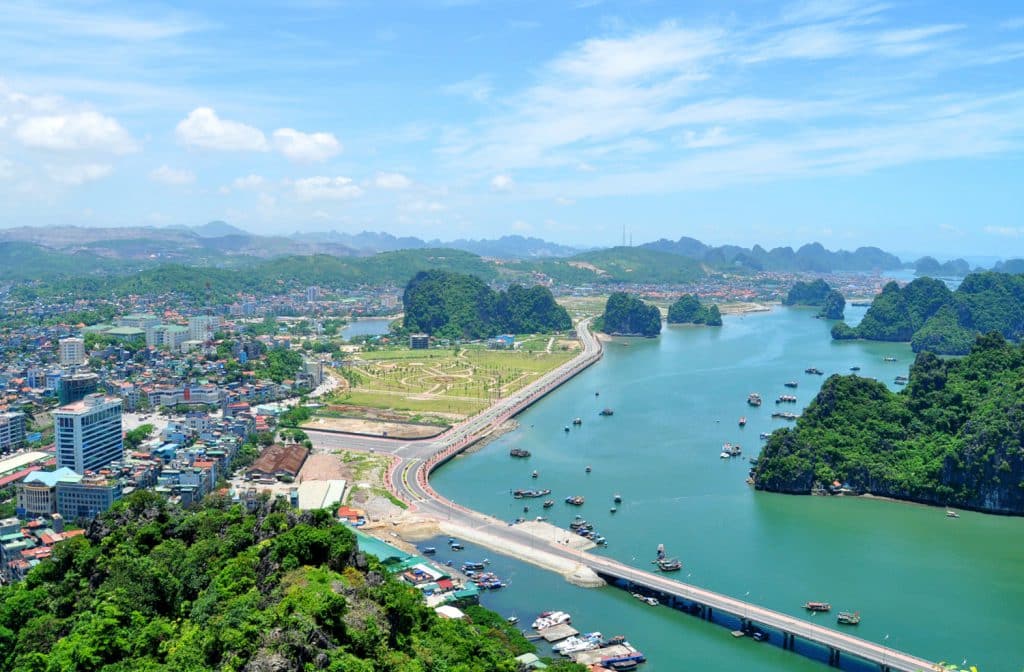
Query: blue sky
[851,123]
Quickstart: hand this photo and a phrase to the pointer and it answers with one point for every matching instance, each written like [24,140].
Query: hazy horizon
[846,123]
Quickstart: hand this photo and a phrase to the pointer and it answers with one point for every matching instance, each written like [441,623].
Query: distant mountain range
[39,253]
[810,258]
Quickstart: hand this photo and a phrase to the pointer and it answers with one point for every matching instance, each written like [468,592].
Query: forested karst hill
[456,305]
[817,293]
[626,315]
[954,436]
[688,309]
[154,588]
[932,317]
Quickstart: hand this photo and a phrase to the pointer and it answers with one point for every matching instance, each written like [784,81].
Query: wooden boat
[617,498]
[520,494]
[577,421]
[548,503]
[846,618]
[607,412]
[754,399]
[817,606]
[791,383]
[743,421]
[575,500]
[519,452]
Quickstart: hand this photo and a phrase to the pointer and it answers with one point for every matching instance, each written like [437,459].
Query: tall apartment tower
[203,327]
[72,351]
[88,433]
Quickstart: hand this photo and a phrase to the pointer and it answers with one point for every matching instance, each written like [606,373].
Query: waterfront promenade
[408,479]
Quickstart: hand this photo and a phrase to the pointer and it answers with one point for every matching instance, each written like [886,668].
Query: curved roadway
[408,479]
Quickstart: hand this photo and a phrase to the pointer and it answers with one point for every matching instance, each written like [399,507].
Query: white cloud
[392,181]
[306,147]
[424,206]
[326,188]
[86,130]
[562,200]
[247,182]
[520,226]
[203,129]
[716,136]
[267,201]
[74,175]
[1005,231]
[478,89]
[167,175]
[501,183]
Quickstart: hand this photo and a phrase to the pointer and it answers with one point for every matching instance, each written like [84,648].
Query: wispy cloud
[327,188]
[175,176]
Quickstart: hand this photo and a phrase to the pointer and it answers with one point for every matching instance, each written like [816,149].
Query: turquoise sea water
[936,587]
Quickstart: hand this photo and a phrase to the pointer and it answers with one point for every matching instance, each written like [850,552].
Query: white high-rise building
[202,327]
[88,433]
[72,351]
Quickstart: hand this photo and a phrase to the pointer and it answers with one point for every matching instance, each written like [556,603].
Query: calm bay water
[937,587]
[369,327]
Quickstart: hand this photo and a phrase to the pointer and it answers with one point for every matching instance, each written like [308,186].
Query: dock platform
[595,656]
[557,633]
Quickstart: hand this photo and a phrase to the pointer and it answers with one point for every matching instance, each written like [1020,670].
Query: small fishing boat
[587,469]
[791,383]
[652,601]
[535,474]
[456,546]
[765,436]
[429,550]
[817,606]
[512,620]
[743,421]
[669,564]
[606,412]
[846,618]
[952,514]
[754,399]
[814,371]
[550,618]
[854,368]
[548,503]
[567,429]
[520,494]
[577,421]
[612,510]
[888,358]
[575,500]
[617,498]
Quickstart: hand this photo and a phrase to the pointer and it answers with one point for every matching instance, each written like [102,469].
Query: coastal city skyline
[848,123]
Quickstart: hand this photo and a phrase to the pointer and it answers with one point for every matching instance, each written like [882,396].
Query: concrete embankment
[573,571]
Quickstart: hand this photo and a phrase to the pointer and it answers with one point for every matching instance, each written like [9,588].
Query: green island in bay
[952,437]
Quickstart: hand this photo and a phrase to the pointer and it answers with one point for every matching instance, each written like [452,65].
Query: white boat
[549,619]
[651,601]
[585,642]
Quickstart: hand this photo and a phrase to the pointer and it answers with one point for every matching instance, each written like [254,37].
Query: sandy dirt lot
[375,427]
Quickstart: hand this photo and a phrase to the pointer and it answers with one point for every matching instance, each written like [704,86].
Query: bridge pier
[833,657]
[884,668]
[788,641]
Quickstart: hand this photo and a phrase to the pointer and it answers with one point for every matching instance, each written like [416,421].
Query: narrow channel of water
[936,587]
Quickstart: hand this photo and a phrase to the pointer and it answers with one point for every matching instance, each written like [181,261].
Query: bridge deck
[875,653]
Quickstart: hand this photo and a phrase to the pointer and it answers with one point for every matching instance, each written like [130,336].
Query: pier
[408,479]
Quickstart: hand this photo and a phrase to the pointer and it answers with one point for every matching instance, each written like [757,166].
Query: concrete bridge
[408,479]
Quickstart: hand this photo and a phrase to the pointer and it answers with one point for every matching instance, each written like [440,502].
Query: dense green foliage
[834,306]
[615,265]
[279,364]
[455,305]
[271,276]
[952,268]
[809,258]
[134,438]
[687,309]
[807,293]
[817,293]
[983,302]
[627,315]
[953,436]
[153,588]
